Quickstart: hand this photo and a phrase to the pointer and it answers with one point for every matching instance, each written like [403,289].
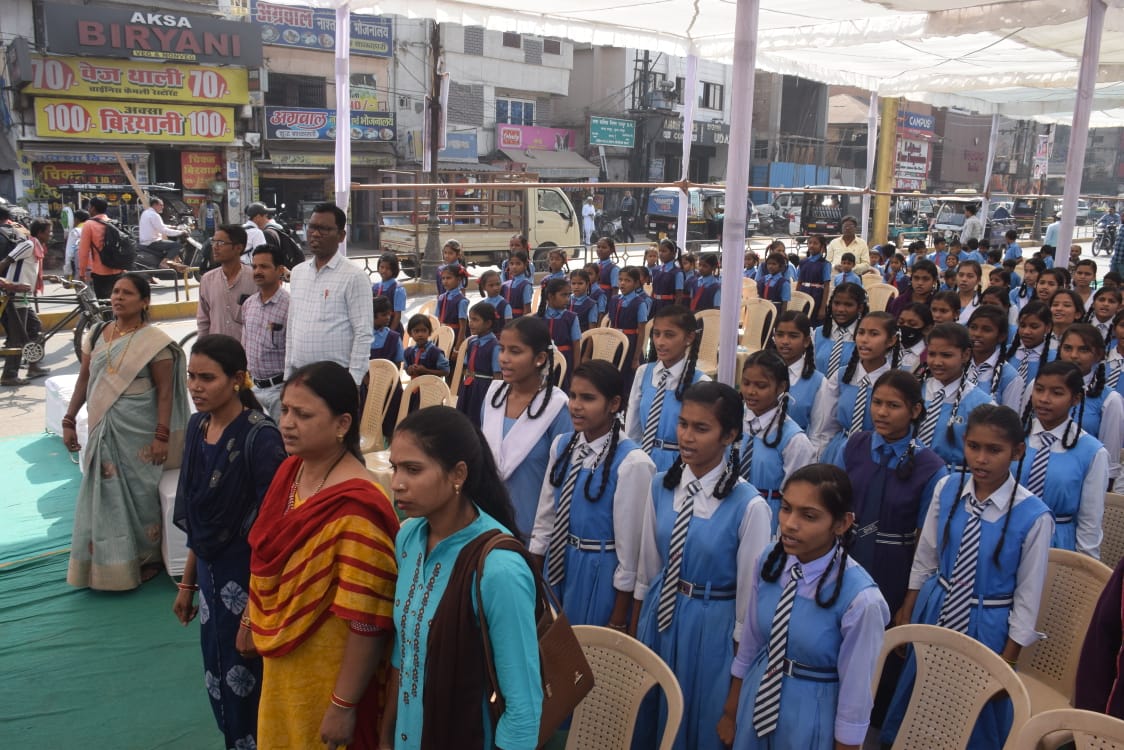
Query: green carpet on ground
[83,668]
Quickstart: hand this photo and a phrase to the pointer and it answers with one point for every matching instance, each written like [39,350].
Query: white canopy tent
[1021,58]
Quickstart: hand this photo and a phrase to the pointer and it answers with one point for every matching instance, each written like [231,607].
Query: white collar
[757,424]
[1036,428]
[674,372]
[796,370]
[992,361]
[1000,498]
[595,448]
[708,480]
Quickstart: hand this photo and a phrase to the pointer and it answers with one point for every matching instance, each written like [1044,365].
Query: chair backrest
[427,308]
[560,366]
[458,370]
[803,302]
[1074,583]
[749,288]
[607,344]
[431,390]
[1112,545]
[757,323]
[444,336]
[433,321]
[708,347]
[381,382]
[870,279]
[624,670]
[879,296]
[1088,730]
[956,677]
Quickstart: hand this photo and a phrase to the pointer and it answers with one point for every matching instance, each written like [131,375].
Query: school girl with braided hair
[915,320]
[629,313]
[989,368]
[844,407]
[991,537]
[1101,412]
[1031,347]
[657,390]
[703,530]
[835,339]
[813,630]
[773,445]
[523,413]
[1051,428]
[969,284]
[949,395]
[792,340]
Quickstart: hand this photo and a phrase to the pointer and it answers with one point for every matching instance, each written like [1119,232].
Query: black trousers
[21,325]
[103,283]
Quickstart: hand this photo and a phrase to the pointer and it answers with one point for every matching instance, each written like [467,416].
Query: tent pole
[884,169]
[343,111]
[992,144]
[1079,132]
[690,85]
[871,133]
[737,182]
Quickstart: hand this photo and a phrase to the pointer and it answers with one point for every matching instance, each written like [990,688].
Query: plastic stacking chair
[1087,730]
[458,371]
[428,308]
[879,296]
[560,366]
[1112,545]
[1048,668]
[803,302]
[870,279]
[757,323]
[431,390]
[444,338]
[382,380]
[708,346]
[956,677]
[608,344]
[624,670]
[749,289]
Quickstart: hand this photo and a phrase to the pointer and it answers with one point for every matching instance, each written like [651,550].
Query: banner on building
[304,124]
[198,168]
[535,138]
[105,78]
[308,28]
[702,133]
[103,31]
[610,131]
[92,120]
[55,174]
[911,164]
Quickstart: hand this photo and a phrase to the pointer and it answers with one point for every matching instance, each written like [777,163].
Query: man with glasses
[223,290]
[330,313]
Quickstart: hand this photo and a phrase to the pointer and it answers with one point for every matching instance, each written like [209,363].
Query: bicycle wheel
[80,327]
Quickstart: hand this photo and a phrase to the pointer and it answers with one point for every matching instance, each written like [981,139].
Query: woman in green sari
[132,381]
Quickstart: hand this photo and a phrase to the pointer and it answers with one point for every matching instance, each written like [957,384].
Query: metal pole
[1079,132]
[884,169]
[342,170]
[432,256]
[871,134]
[737,182]
[992,144]
[690,84]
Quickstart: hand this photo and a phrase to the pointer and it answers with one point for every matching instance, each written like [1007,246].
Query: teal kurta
[508,590]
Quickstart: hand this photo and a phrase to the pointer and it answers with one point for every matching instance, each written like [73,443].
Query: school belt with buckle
[629,331]
[795,669]
[885,537]
[591,545]
[667,445]
[563,347]
[770,494]
[269,382]
[811,284]
[663,297]
[704,591]
[1063,519]
[1000,601]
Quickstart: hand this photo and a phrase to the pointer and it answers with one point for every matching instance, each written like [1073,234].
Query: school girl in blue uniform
[594,573]
[708,583]
[518,244]
[774,285]
[388,287]
[385,341]
[667,277]
[517,291]
[1102,311]
[792,340]
[523,412]
[1015,528]
[583,306]
[833,634]
[1103,412]
[708,287]
[556,269]
[481,361]
[814,274]
[491,289]
[423,357]
[565,331]
[676,341]
[1078,507]
[1114,360]
[629,313]
[949,395]
[1032,345]
[833,415]
[452,305]
[773,445]
[989,368]
[915,321]
[1025,292]
[452,253]
[608,272]
[835,339]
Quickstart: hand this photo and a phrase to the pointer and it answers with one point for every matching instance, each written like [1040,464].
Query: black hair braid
[950,433]
[1096,388]
[777,422]
[774,563]
[547,388]
[674,474]
[614,441]
[1028,417]
[687,377]
[841,556]
[997,375]
[1013,349]
[895,354]
[852,365]
[1024,291]
[1044,357]
[1066,442]
[809,361]
[828,320]
[952,512]
[561,466]
[904,469]
[1007,516]
[1081,415]
[730,474]
[922,373]
[500,396]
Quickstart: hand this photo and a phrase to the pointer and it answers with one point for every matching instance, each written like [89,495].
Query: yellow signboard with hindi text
[103,78]
[90,120]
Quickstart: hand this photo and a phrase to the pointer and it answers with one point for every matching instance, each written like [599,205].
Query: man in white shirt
[973,225]
[154,233]
[257,217]
[849,242]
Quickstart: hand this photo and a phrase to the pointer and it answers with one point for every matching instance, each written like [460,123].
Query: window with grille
[552,46]
[514,111]
[711,95]
[512,40]
[286,90]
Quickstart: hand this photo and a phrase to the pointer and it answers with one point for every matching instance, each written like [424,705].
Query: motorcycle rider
[153,234]
[1107,226]
[1110,218]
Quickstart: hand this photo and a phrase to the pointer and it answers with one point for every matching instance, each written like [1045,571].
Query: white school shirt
[634,422]
[967,310]
[1091,510]
[1111,433]
[1012,395]
[824,424]
[1031,575]
[634,483]
[798,452]
[753,538]
[911,357]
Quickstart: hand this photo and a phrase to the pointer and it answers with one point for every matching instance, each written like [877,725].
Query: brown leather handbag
[566,675]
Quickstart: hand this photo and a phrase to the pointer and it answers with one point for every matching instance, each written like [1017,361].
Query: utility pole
[432,257]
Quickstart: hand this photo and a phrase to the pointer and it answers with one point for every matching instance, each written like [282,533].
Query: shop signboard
[305,124]
[917,123]
[125,121]
[103,31]
[106,78]
[309,28]
[72,173]
[535,138]
[702,133]
[198,168]
[610,131]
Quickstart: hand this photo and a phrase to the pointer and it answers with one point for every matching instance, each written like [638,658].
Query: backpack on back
[118,249]
[10,238]
[275,237]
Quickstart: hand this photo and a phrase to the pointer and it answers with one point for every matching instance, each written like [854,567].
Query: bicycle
[87,312]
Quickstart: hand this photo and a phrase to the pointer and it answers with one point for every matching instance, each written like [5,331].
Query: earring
[339,438]
[457,488]
[236,389]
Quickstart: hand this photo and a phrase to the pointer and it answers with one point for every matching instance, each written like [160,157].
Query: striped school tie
[556,560]
[860,407]
[957,605]
[978,372]
[836,352]
[1024,365]
[1113,377]
[670,589]
[929,427]
[767,704]
[652,426]
[1036,481]
[747,457]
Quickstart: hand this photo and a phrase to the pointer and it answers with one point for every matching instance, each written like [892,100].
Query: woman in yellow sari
[132,382]
[322,575]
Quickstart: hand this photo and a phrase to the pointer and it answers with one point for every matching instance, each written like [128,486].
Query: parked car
[1082,211]
[824,209]
[950,220]
[772,220]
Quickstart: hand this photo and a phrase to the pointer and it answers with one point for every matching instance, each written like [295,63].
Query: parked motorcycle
[1104,239]
[190,251]
[609,225]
